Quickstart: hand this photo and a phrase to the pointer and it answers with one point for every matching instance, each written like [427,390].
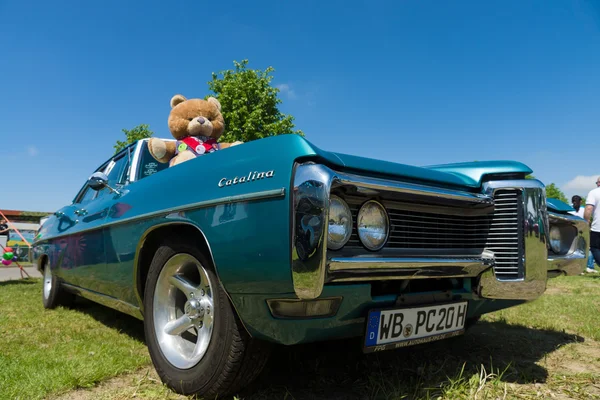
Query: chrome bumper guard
[311,268]
[575,260]
[535,253]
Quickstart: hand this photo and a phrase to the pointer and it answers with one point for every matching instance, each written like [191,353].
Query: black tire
[53,295]
[233,359]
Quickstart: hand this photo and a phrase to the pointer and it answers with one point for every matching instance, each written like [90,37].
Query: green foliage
[141,131]
[34,214]
[553,192]
[249,104]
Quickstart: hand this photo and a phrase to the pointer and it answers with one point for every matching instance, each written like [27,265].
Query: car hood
[558,206]
[460,176]
[469,175]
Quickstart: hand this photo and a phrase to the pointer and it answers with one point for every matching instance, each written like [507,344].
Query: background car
[569,240]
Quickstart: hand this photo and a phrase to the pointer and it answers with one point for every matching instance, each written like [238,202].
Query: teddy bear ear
[178,98]
[215,102]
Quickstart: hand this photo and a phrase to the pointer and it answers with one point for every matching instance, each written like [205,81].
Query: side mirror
[99,181]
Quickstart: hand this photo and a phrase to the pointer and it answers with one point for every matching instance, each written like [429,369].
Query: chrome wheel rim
[183,311]
[47,280]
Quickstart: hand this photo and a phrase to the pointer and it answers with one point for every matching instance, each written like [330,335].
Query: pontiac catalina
[277,241]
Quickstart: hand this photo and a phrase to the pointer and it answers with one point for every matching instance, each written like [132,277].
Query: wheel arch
[150,242]
[41,261]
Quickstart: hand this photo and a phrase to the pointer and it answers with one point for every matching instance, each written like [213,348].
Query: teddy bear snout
[200,126]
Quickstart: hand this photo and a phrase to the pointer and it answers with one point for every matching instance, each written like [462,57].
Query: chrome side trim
[311,188]
[374,268]
[266,194]
[534,259]
[575,261]
[104,300]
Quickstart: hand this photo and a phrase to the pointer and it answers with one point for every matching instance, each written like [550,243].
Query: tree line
[553,192]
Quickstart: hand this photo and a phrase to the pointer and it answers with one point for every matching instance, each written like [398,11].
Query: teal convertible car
[277,241]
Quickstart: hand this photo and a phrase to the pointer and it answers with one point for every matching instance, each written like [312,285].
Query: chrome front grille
[498,232]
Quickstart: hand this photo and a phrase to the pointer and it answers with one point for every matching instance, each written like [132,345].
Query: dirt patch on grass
[580,359]
[573,373]
[557,290]
[143,383]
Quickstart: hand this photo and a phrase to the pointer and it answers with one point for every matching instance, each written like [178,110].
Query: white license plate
[401,327]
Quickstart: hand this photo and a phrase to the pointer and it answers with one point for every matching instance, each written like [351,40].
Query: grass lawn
[546,349]
[52,351]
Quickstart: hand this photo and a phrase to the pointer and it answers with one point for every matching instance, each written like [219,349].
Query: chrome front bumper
[312,268]
[368,268]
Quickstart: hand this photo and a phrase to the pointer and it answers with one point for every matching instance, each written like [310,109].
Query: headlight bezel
[555,242]
[561,238]
[386,221]
[330,244]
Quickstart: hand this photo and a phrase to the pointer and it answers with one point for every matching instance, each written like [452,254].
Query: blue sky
[413,81]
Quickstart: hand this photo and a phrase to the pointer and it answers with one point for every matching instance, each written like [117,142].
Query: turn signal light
[295,308]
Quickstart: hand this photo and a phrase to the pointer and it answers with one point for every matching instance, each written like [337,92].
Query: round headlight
[340,223]
[373,225]
[555,239]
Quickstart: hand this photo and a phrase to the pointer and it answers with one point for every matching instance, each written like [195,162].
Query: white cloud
[580,185]
[284,88]
[32,151]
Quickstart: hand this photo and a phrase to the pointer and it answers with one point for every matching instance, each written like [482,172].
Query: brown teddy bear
[197,125]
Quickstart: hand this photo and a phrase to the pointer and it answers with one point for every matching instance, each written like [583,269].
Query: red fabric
[193,143]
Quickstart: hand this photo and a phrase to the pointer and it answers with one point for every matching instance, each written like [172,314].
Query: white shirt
[580,212]
[593,199]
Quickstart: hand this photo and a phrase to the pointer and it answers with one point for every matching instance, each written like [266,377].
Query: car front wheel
[195,339]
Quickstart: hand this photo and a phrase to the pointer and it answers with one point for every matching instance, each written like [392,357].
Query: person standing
[4,232]
[576,203]
[592,216]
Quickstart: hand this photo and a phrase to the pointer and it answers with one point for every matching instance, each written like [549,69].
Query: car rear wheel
[196,341]
[52,293]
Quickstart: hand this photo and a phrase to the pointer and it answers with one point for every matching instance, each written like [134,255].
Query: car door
[100,276]
[83,245]
[56,234]
[64,237]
